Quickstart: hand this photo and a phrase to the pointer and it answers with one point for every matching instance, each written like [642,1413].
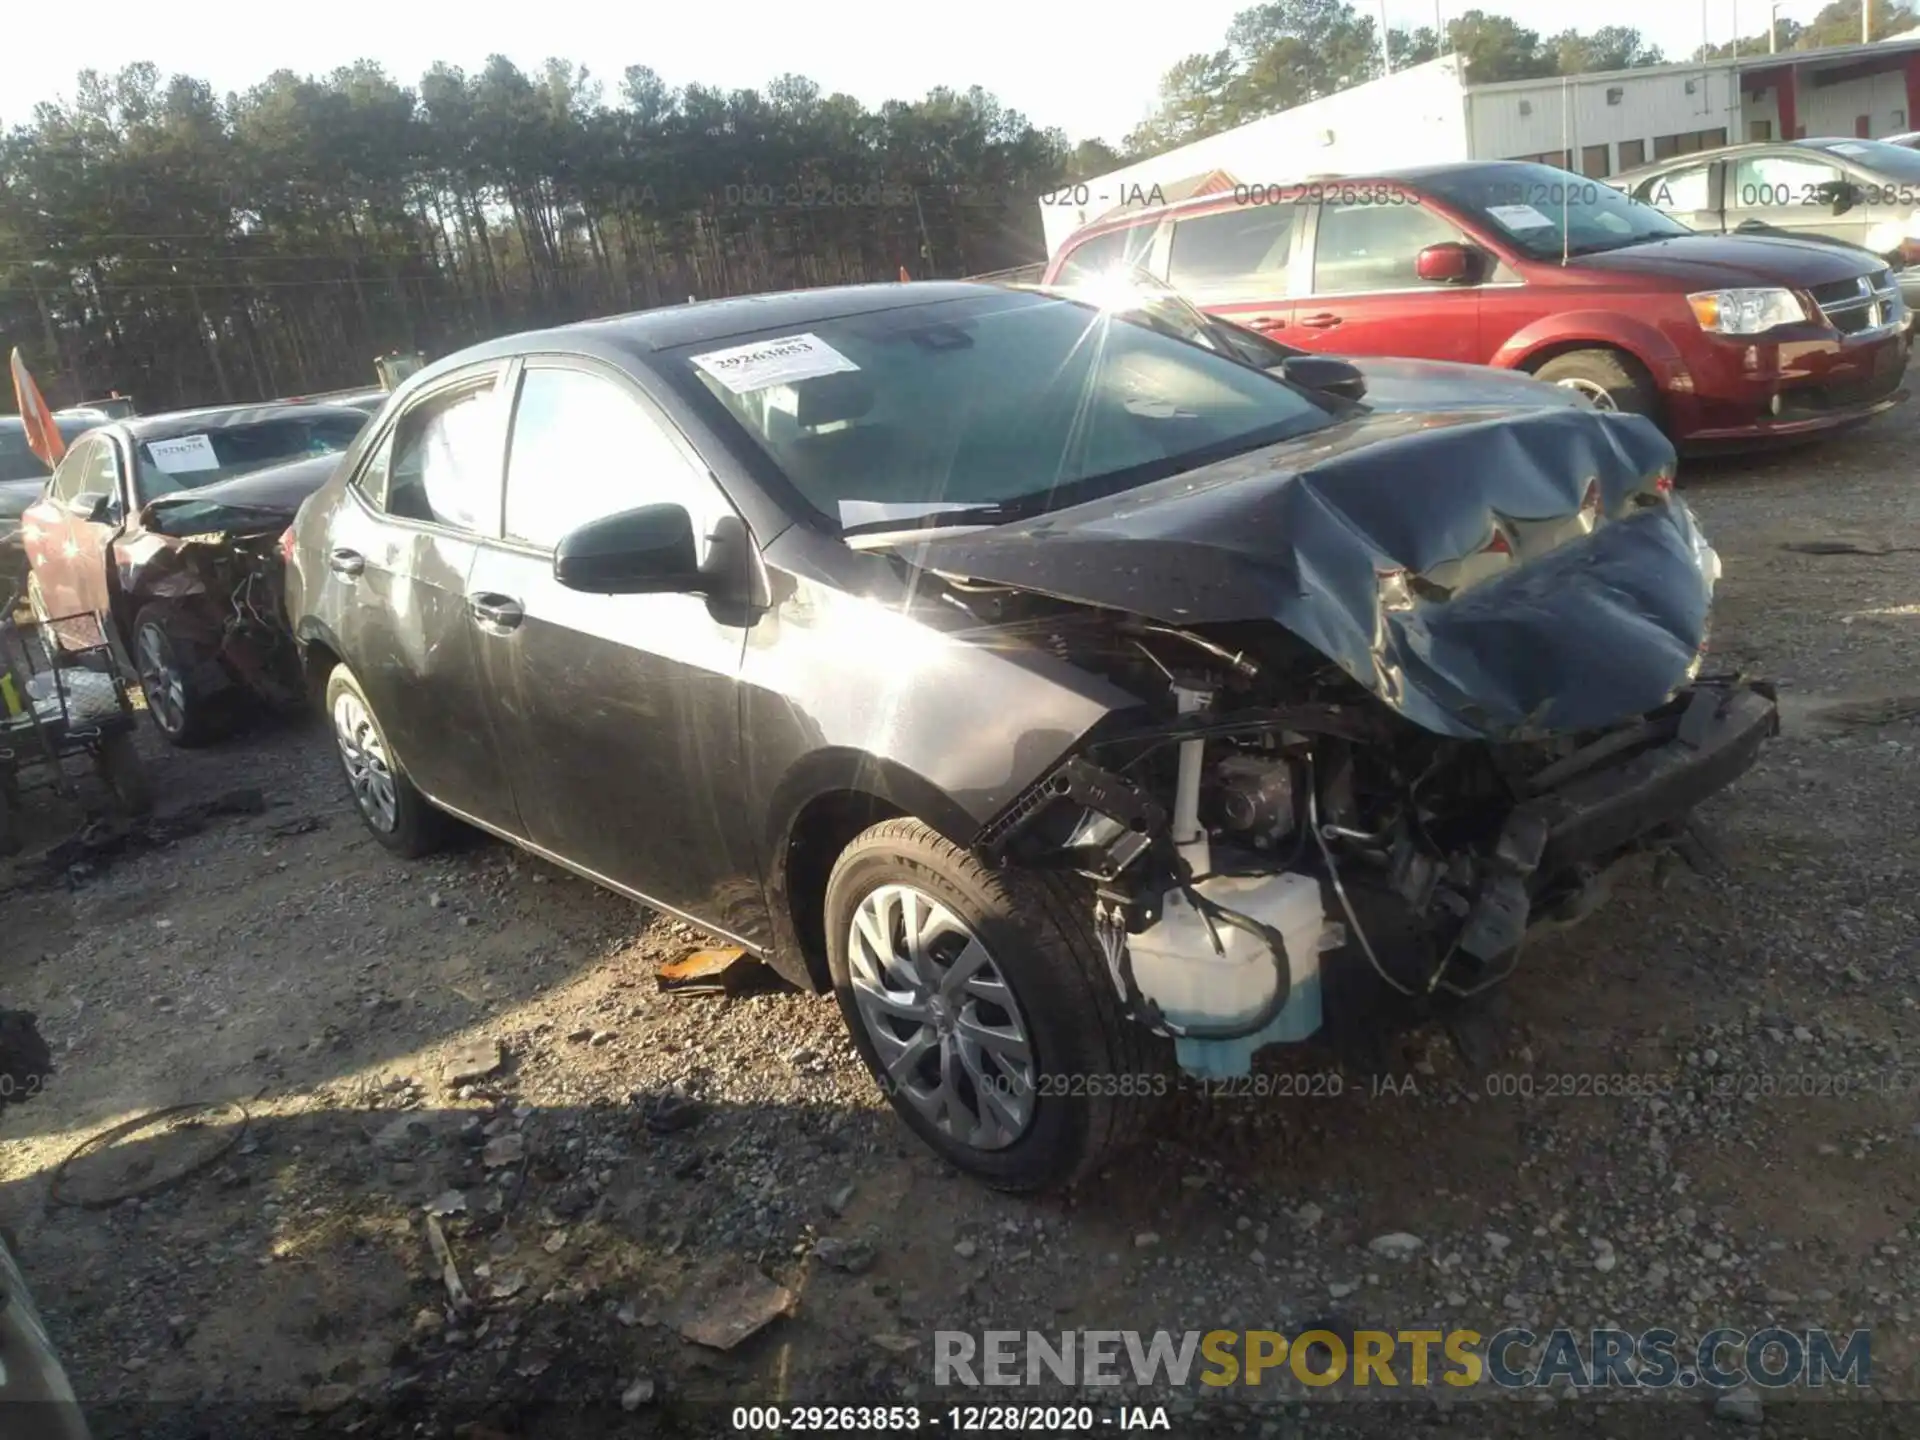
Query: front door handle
[1321,322]
[497,612]
[346,562]
[1266,322]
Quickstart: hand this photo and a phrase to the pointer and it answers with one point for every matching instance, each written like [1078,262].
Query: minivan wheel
[398,815]
[1606,378]
[980,1001]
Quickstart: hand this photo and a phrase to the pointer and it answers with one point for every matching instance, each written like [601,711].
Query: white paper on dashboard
[872,512]
[1519,217]
[746,368]
[184,455]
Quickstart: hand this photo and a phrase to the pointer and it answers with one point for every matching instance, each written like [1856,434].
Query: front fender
[1646,342]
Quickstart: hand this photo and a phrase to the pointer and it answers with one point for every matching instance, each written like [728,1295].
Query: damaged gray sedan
[1079,705]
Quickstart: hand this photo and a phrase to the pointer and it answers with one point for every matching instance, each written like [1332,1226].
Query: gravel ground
[1700,1108]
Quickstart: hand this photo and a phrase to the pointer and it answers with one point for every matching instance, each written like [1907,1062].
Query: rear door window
[1771,182]
[1244,252]
[1373,246]
[584,448]
[444,467]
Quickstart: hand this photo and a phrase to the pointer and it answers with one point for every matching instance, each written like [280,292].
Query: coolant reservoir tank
[1176,965]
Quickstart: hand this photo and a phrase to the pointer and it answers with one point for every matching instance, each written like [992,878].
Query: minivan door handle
[346,562]
[1322,321]
[495,612]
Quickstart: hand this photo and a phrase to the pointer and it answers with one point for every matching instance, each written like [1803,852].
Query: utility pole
[1386,42]
[1866,22]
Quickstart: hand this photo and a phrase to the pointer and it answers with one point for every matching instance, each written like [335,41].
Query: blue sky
[1089,68]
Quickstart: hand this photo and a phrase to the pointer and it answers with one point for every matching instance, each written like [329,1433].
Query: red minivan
[1725,340]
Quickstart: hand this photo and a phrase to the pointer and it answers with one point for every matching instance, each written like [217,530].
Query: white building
[1595,124]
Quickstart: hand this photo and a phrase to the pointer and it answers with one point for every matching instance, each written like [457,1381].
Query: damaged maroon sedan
[168,526]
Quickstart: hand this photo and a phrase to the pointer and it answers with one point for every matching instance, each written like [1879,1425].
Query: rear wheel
[980,1001]
[398,815]
[1607,378]
[171,661]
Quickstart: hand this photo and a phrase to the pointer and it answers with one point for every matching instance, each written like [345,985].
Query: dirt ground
[633,1154]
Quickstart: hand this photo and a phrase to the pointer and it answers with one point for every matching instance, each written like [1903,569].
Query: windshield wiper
[960,514]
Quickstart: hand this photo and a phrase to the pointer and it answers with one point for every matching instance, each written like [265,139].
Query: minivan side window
[1117,249]
[584,448]
[445,467]
[1243,252]
[1363,247]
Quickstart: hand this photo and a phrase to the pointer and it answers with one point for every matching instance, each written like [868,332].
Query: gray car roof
[227,417]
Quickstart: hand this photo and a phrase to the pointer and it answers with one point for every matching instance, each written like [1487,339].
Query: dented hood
[275,491]
[1487,577]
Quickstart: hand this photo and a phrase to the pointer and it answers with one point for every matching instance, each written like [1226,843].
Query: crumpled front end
[1467,716]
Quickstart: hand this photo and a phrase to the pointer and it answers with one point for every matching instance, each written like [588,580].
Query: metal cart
[62,697]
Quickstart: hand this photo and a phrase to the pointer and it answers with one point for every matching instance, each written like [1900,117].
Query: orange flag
[905,279]
[43,436]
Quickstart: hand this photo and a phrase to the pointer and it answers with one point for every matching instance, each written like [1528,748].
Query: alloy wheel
[944,1023]
[161,681]
[368,771]
[1601,397]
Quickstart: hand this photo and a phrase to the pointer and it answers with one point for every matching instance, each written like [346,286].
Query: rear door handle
[346,562]
[1321,322]
[498,612]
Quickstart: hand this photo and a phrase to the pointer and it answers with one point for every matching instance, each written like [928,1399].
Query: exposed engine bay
[1272,813]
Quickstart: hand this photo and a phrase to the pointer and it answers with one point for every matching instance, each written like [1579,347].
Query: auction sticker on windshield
[746,368]
[184,455]
[1519,217]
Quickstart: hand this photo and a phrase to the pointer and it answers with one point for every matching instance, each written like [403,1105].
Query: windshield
[191,461]
[1012,400]
[1546,212]
[1878,156]
[17,462]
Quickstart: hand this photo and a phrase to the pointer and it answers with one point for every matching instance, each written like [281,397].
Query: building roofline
[1907,40]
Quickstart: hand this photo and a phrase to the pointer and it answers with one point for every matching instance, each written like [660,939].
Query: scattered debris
[856,1257]
[143,1170]
[1846,545]
[737,1311]
[473,1061]
[639,1393]
[898,1344]
[505,1287]
[303,825]
[839,1200]
[449,1272]
[707,972]
[508,1149]
[1397,1246]
[671,1112]
[450,1202]
[325,1399]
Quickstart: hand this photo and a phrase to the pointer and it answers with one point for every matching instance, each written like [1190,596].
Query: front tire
[1607,378]
[171,661]
[399,816]
[980,1000]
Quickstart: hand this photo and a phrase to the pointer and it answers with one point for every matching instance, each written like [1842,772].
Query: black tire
[1099,1076]
[1625,386]
[125,773]
[186,712]
[416,828]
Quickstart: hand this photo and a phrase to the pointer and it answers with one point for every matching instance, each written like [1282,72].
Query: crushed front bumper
[1604,807]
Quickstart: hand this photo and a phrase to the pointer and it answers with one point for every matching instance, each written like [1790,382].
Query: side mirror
[1325,374]
[648,551]
[1448,264]
[1843,193]
[96,507]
